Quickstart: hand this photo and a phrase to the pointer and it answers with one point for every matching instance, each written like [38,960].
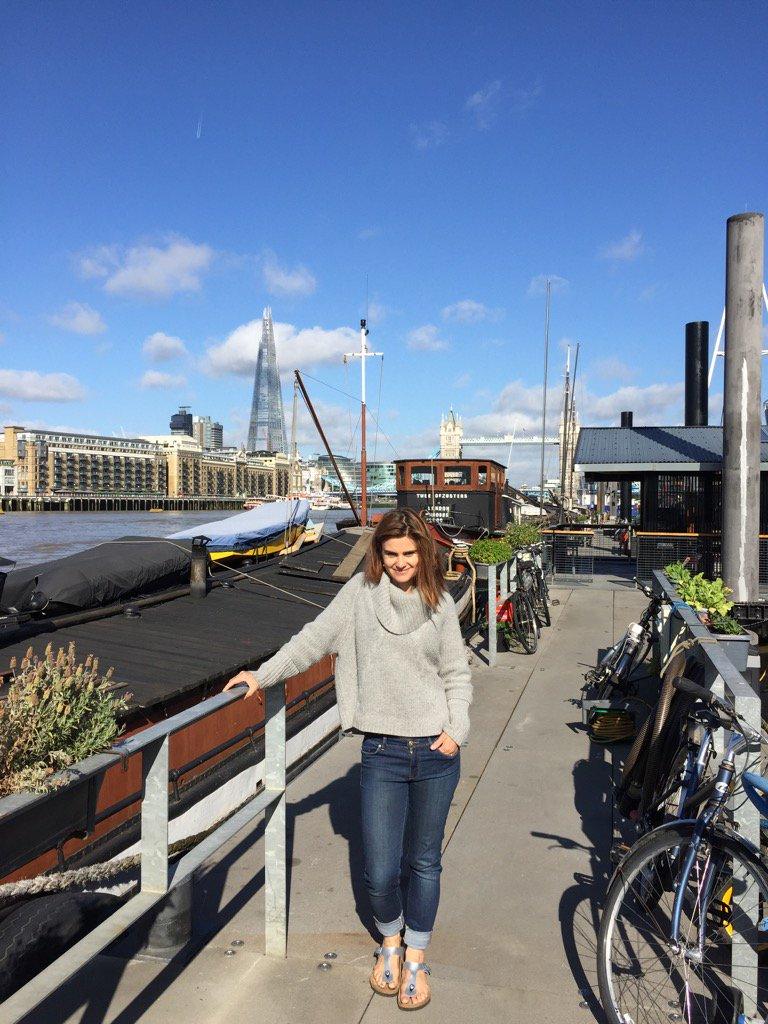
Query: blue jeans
[406,790]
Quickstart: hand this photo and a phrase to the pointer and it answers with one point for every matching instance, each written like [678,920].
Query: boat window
[460,476]
[401,474]
[422,474]
[482,476]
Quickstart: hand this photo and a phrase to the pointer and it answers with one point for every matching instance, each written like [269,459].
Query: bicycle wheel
[719,970]
[541,599]
[524,623]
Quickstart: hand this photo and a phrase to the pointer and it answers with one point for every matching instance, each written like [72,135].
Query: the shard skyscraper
[266,431]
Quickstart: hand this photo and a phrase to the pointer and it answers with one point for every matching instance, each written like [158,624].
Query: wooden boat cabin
[471,495]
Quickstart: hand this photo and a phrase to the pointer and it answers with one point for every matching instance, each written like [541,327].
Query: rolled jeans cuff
[416,940]
[388,928]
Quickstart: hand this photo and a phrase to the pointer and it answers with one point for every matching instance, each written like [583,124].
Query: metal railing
[158,879]
[677,621]
[504,576]
[573,555]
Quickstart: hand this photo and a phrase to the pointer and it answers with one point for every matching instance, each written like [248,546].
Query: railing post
[275,893]
[491,615]
[154,817]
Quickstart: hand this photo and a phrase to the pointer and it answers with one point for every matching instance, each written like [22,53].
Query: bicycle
[515,619]
[683,929]
[532,579]
[615,668]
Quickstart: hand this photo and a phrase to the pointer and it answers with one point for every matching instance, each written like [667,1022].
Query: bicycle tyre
[661,759]
[541,600]
[636,911]
[524,623]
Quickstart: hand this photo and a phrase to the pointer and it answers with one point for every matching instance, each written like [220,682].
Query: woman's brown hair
[404,522]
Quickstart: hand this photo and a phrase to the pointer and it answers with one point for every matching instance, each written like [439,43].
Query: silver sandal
[410,989]
[387,952]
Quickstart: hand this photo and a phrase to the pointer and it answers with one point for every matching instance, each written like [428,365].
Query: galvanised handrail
[157,879]
[677,620]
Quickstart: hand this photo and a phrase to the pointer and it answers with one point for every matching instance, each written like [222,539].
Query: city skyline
[433,190]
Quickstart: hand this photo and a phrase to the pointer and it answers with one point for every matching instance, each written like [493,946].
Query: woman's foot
[414,986]
[385,976]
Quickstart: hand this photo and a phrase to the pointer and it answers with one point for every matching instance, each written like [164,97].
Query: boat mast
[564,422]
[294,461]
[331,456]
[362,355]
[544,400]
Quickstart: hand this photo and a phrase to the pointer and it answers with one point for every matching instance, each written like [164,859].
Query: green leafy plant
[522,535]
[490,552]
[704,595]
[56,712]
[725,624]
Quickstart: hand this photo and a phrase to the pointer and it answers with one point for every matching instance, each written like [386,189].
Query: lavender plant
[56,711]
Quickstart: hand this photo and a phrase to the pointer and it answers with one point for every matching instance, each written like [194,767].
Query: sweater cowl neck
[397,611]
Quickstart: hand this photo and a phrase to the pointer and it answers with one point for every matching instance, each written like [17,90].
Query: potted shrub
[489,552]
[56,716]
[522,535]
[709,599]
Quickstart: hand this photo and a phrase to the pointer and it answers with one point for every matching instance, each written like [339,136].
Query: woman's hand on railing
[445,745]
[250,680]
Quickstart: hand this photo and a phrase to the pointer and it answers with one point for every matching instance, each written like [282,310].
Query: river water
[32,537]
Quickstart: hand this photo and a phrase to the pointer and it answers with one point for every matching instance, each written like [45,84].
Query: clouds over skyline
[538,284]
[426,339]
[148,270]
[429,134]
[296,348]
[161,348]
[78,318]
[469,311]
[280,280]
[31,386]
[158,381]
[626,249]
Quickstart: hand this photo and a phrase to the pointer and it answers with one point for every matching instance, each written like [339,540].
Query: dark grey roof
[650,446]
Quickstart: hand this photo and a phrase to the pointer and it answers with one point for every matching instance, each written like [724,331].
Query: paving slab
[524,867]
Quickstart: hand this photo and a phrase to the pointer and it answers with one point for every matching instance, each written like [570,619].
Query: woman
[403,681]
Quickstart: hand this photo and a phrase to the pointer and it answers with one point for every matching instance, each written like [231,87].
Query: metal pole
[544,399]
[363,456]
[564,434]
[275,889]
[741,404]
[321,432]
[572,439]
[696,387]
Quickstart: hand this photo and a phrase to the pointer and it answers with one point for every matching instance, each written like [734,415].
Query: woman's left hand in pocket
[445,745]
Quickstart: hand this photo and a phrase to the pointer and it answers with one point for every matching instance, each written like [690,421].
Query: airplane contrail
[200,125]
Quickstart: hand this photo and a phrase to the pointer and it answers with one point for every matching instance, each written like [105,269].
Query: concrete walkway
[525,865]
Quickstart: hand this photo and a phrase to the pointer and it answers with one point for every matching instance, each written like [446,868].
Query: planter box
[736,648]
[33,823]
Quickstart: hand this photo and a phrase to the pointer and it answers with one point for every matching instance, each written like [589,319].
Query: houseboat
[459,497]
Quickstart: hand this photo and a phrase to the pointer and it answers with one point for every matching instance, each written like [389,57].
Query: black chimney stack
[626,419]
[696,368]
[625,506]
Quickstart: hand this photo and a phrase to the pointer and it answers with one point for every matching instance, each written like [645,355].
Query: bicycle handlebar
[733,718]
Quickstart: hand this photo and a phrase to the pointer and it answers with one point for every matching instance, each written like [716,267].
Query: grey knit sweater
[401,668]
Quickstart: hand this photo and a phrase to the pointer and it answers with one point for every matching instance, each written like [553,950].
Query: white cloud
[161,348]
[371,232]
[31,386]
[155,380]
[613,368]
[426,339]
[468,311]
[653,404]
[538,284]
[282,281]
[377,312]
[78,318]
[626,249]
[524,99]
[462,380]
[429,135]
[483,105]
[149,271]
[296,348]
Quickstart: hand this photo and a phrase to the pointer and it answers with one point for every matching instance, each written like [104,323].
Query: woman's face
[401,560]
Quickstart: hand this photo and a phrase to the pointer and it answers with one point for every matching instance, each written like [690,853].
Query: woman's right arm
[313,641]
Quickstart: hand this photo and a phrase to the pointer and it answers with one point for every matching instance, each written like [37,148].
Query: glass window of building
[482,476]
[422,475]
[457,476]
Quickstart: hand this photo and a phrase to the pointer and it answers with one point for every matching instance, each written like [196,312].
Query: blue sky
[170,169]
